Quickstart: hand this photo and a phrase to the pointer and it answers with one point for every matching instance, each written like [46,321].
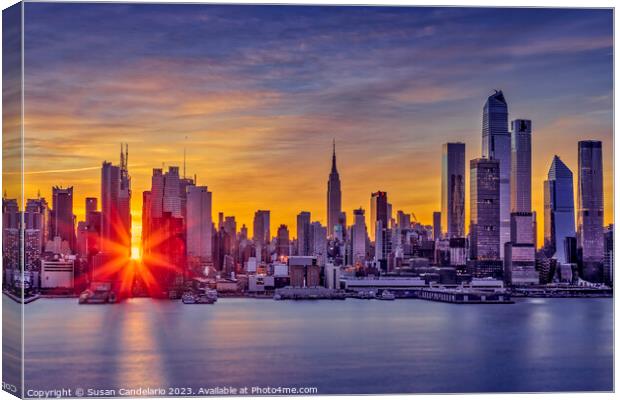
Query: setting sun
[135,253]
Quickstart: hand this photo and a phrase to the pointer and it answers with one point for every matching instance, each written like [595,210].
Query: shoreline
[260,298]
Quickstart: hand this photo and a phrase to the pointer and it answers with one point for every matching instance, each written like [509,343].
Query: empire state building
[334,200]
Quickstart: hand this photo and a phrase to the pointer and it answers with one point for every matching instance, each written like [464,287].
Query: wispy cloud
[260,91]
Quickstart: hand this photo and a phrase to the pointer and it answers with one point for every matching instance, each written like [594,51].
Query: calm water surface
[352,346]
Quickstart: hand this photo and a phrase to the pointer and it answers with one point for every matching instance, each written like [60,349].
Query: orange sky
[260,98]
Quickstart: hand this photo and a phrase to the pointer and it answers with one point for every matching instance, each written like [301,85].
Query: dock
[464,296]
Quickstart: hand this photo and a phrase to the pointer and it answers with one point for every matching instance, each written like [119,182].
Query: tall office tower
[184,184]
[93,226]
[35,222]
[10,233]
[436,225]
[199,223]
[383,244]
[378,211]
[10,214]
[63,220]
[484,209]
[403,220]
[110,217]
[283,242]
[319,242]
[521,169]
[222,248]
[37,216]
[81,243]
[453,189]
[115,206]
[496,145]
[262,235]
[334,197]
[172,193]
[220,220]
[590,201]
[304,235]
[243,232]
[157,193]
[230,226]
[90,204]
[559,216]
[359,236]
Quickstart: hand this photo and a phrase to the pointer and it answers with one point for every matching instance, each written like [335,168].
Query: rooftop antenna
[38,193]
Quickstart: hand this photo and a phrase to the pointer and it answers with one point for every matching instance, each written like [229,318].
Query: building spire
[334,157]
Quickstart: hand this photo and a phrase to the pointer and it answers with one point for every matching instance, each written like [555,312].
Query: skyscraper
[436,225]
[283,241]
[304,243]
[334,196]
[521,177]
[110,186]
[496,146]
[157,193]
[199,223]
[115,205]
[590,201]
[378,211]
[358,236]
[37,216]
[63,220]
[11,241]
[172,193]
[319,242]
[90,204]
[453,189]
[261,227]
[484,209]
[559,209]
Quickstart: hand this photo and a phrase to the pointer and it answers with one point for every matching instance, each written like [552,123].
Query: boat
[96,297]
[211,294]
[209,297]
[387,295]
[188,298]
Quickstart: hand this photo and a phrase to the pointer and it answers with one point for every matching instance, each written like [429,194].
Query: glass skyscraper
[484,209]
[453,189]
[590,201]
[521,172]
[559,209]
[496,145]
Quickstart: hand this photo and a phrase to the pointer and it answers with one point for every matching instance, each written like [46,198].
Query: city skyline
[248,123]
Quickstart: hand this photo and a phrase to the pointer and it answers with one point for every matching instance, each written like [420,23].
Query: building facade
[521,172]
[590,201]
[453,189]
[496,145]
[559,218]
[484,227]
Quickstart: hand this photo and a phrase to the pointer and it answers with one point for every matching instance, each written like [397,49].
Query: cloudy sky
[257,93]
